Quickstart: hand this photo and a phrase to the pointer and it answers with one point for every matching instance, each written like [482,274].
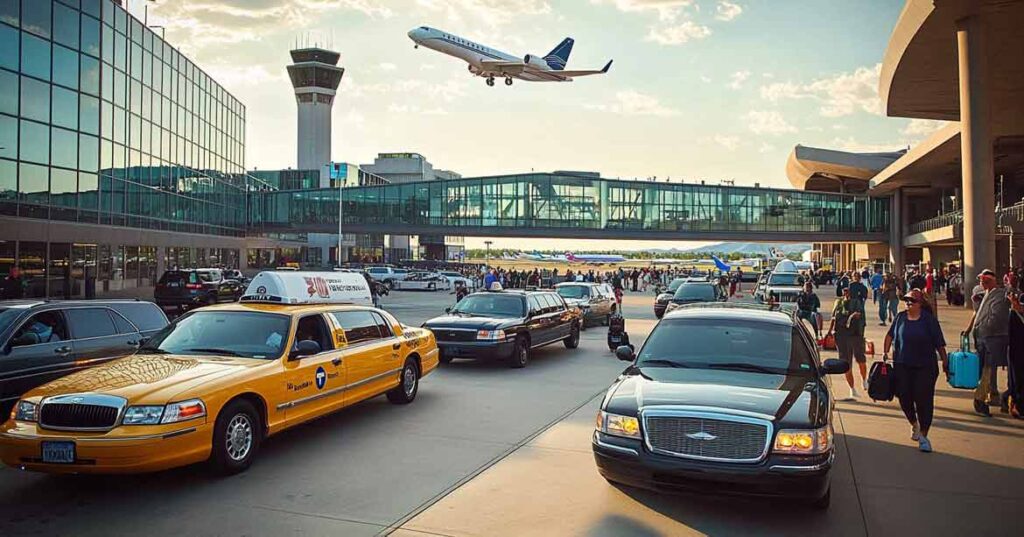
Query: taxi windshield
[223,333]
[490,305]
[574,291]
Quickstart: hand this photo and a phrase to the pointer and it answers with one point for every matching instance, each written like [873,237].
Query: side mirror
[448,309]
[143,340]
[305,348]
[835,366]
[625,353]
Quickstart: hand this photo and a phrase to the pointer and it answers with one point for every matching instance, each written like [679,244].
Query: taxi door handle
[396,346]
[336,361]
[63,351]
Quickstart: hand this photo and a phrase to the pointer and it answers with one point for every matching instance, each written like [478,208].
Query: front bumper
[122,450]
[626,461]
[480,350]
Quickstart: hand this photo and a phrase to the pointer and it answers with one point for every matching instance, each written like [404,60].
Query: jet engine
[536,61]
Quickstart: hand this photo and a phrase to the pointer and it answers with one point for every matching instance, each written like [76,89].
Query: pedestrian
[847,325]
[917,338]
[490,279]
[858,291]
[990,327]
[842,283]
[889,299]
[12,287]
[1014,401]
[807,304]
[876,285]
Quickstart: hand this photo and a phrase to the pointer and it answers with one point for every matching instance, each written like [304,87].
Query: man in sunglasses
[990,326]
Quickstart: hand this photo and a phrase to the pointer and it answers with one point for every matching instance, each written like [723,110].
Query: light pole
[487,255]
[341,217]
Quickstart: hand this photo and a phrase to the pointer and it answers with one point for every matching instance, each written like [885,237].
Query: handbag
[881,382]
[828,342]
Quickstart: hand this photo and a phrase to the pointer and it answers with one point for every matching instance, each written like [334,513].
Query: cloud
[237,75]
[491,13]
[766,148]
[921,128]
[634,103]
[729,142]
[667,10]
[728,11]
[677,34]
[768,122]
[387,66]
[839,95]
[737,79]
[705,79]
[396,108]
[851,144]
[448,91]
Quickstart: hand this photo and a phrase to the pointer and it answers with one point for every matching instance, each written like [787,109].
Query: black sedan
[728,399]
[695,292]
[661,301]
[505,325]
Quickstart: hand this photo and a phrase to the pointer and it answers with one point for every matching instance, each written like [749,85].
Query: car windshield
[574,291]
[209,275]
[673,286]
[725,344]
[490,305]
[786,279]
[226,333]
[695,291]
[452,274]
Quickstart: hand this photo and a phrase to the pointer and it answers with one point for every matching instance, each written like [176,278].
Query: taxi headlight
[491,335]
[142,415]
[616,425]
[804,442]
[185,410]
[25,411]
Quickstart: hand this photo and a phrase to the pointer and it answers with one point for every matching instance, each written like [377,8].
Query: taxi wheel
[444,359]
[520,355]
[236,437]
[573,340]
[823,502]
[408,386]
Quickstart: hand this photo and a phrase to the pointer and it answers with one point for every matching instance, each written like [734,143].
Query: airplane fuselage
[477,55]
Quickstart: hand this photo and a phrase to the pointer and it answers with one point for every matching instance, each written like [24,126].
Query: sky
[700,89]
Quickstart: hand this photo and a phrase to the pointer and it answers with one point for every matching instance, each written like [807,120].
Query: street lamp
[487,255]
[341,217]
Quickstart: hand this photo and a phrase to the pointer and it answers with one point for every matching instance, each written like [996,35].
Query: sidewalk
[882,485]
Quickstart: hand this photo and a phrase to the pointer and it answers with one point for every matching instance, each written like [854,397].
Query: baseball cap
[987,272]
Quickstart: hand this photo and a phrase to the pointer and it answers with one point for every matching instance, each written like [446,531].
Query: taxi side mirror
[625,353]
[448,309]
[305,348]
[834,366]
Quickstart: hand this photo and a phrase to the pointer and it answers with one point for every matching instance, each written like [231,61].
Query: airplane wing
[585,72]
[497,66]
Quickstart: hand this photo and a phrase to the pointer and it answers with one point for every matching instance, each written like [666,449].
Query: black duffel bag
[881,382]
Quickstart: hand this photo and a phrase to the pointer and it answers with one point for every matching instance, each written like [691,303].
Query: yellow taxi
[220,379]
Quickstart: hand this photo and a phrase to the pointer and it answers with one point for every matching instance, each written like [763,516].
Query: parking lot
[489,450]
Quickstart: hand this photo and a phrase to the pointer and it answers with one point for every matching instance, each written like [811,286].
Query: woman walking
[917,338]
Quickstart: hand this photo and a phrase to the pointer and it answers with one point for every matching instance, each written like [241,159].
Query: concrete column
[161,261]
[896,231]
[975,152]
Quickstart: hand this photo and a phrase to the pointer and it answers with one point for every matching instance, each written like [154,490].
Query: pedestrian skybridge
[575,206]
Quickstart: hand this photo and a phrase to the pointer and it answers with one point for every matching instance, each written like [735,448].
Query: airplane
[594,258]
[490,63]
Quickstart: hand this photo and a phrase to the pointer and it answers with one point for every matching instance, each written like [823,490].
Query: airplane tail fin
[569,256]
[558,57]
[721,265]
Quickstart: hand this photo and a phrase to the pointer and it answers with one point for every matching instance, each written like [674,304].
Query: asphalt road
[361,471]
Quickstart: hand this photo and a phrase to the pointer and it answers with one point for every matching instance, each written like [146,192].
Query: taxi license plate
[59,452]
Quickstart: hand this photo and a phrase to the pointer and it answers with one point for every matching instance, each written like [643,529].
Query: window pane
[90,75]
[65,66]
[107,45]
[91,7]
[8,137]
[65,107]
[35,55]
[88,190]
[9,12]
[8,179]
[8,47]
[90,322]
[65,25]
[65,148]
[63,188]
[35,99]
[35,142]
[34,183]
[120,51]
[89,114]
[8,93]
[35,17]
[88,153]
[90,36]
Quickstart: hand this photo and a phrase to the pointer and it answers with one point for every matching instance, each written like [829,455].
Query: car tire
[823,503]
[573,340]
[444,359]
[520,354]
[583,324]
[408,384]
[236,437]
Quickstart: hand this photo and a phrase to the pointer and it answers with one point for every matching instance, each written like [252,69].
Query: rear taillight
[193,286]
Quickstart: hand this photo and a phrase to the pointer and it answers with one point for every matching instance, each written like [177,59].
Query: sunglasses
[911,301]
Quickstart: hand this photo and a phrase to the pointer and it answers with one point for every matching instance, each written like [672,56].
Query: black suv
[505,325]
[184,289]
[41,341]
[724,398]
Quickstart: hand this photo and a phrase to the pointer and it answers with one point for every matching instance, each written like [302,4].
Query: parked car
[189,288]
[235,274]
[505,325]
[387,275]
[41,341]
[423,281]
[663,298]
[727,398]
[455,277]
[693,292]
[596,305]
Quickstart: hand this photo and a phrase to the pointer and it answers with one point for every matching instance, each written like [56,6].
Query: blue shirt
[876,281]
[916,342]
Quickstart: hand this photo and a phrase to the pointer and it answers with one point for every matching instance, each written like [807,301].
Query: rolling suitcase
[964,367]
[617,335]
[881,385]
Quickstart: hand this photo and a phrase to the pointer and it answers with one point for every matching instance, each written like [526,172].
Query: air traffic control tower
[315,76]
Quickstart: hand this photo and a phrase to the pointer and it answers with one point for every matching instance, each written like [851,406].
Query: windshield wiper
[153,350]
[739,366]
[216,351]
[663,363]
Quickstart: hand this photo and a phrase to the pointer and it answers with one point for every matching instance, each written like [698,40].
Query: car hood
[147,378]
[794,400]
[462,321]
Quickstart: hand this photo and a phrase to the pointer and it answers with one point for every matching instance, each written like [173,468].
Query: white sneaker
[854,394]
[924,445]
[865,385]
[915,433]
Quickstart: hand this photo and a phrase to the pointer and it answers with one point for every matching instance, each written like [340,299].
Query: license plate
[59,452]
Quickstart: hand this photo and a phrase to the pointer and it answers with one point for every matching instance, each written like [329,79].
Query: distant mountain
[743,248]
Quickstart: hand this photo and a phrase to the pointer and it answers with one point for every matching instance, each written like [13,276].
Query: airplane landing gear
[490,81]
[508,81]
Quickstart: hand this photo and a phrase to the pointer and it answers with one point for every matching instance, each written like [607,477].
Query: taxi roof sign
[291,288]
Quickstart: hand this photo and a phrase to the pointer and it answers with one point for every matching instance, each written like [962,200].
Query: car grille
[699,437]
[89,412]
[454,334]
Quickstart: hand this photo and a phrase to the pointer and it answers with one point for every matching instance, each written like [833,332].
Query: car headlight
[616,425]
[491,335]
[804,442]
[24,411]
[170,413]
